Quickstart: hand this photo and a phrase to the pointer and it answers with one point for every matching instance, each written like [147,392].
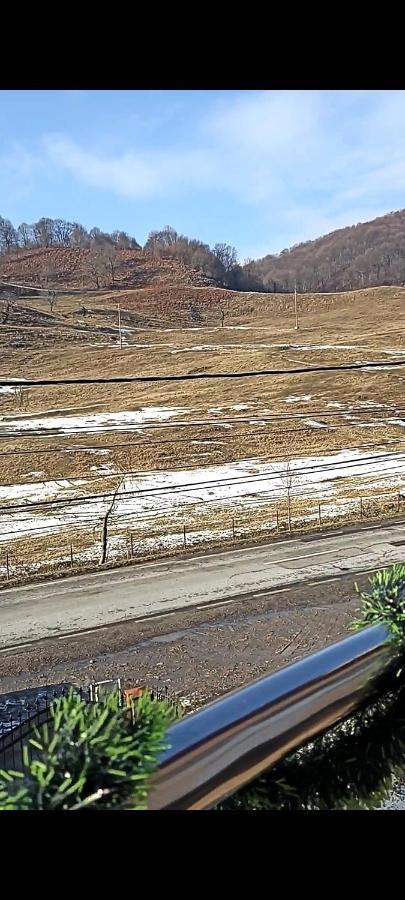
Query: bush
[90,755]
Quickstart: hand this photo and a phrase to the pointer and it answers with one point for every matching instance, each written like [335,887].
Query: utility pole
[119,324]
[295,306]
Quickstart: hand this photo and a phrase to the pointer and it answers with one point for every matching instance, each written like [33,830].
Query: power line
[111,428]
[223,438]
[203,485]
[197,376]
[185,466]
[154,517]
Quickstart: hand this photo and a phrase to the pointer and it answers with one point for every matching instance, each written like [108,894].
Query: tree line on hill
[360,256]
[219,262]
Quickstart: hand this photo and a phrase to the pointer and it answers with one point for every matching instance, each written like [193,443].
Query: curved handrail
[220,748]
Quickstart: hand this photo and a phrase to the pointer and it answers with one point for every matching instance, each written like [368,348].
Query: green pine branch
[92,755]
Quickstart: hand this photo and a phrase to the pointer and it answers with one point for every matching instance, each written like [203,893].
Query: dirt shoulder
[198,655]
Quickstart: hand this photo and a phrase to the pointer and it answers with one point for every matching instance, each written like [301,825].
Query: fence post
[7,566]
[184,537]
[319,515]
[132,544]
[233,528]
[71,556]
[277,525]
[399,501]
[361,507]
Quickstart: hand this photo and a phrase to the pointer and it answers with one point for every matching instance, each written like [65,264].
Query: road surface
[85,602]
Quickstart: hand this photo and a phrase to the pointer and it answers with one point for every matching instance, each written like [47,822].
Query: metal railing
[18,726]
[217,750]
[220,748]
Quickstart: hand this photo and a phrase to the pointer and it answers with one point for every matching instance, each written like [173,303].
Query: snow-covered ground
[128,419]
[174,495]
[8,389]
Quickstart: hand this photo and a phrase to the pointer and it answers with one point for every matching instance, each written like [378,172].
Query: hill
[61,255]
[366,255]
[83,269]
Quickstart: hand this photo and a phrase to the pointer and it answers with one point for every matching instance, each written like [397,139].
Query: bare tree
[51,299]
[24,233]
[8,235]
[79,236]
[104,532]
[227,256]
[111,260]
[98,264]
[287,478]
[43,232]
[21,395]
[222,312]
[121,239]
[62,232]
[5,311]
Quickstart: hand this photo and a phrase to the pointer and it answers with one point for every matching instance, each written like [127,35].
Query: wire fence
[237,525]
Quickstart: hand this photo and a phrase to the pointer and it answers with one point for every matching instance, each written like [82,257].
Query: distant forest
[359,256]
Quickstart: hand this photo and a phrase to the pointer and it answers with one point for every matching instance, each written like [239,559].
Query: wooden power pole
[295,306]
[119,324]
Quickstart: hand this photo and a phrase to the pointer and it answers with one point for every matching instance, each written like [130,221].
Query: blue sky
[258,169]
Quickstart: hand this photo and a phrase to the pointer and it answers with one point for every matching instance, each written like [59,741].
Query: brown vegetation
[359,256]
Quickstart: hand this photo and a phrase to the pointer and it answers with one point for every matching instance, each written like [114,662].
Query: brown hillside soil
[63,267]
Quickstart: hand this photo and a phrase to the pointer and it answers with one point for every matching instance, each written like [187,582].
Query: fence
[17,727]
[187,536]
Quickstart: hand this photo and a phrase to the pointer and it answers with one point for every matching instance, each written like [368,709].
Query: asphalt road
[83,602]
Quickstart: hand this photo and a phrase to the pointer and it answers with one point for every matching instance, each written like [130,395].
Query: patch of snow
[326,347]
[298,399]
[202,348]
[208,441]
[8,389]
[103,470]
[154,346]
[100,421]
[373,369]
[225,485]
[315,424]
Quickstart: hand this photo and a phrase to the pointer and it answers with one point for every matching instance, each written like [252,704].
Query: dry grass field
[222,456]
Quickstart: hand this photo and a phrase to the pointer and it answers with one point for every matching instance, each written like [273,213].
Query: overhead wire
[205,485]
[6,381]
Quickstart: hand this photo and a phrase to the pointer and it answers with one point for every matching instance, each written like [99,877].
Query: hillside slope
[359,256]
[78,268]
[367,255]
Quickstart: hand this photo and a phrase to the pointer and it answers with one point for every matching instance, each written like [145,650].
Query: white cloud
[269,122]
[306,162]
[132,174]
